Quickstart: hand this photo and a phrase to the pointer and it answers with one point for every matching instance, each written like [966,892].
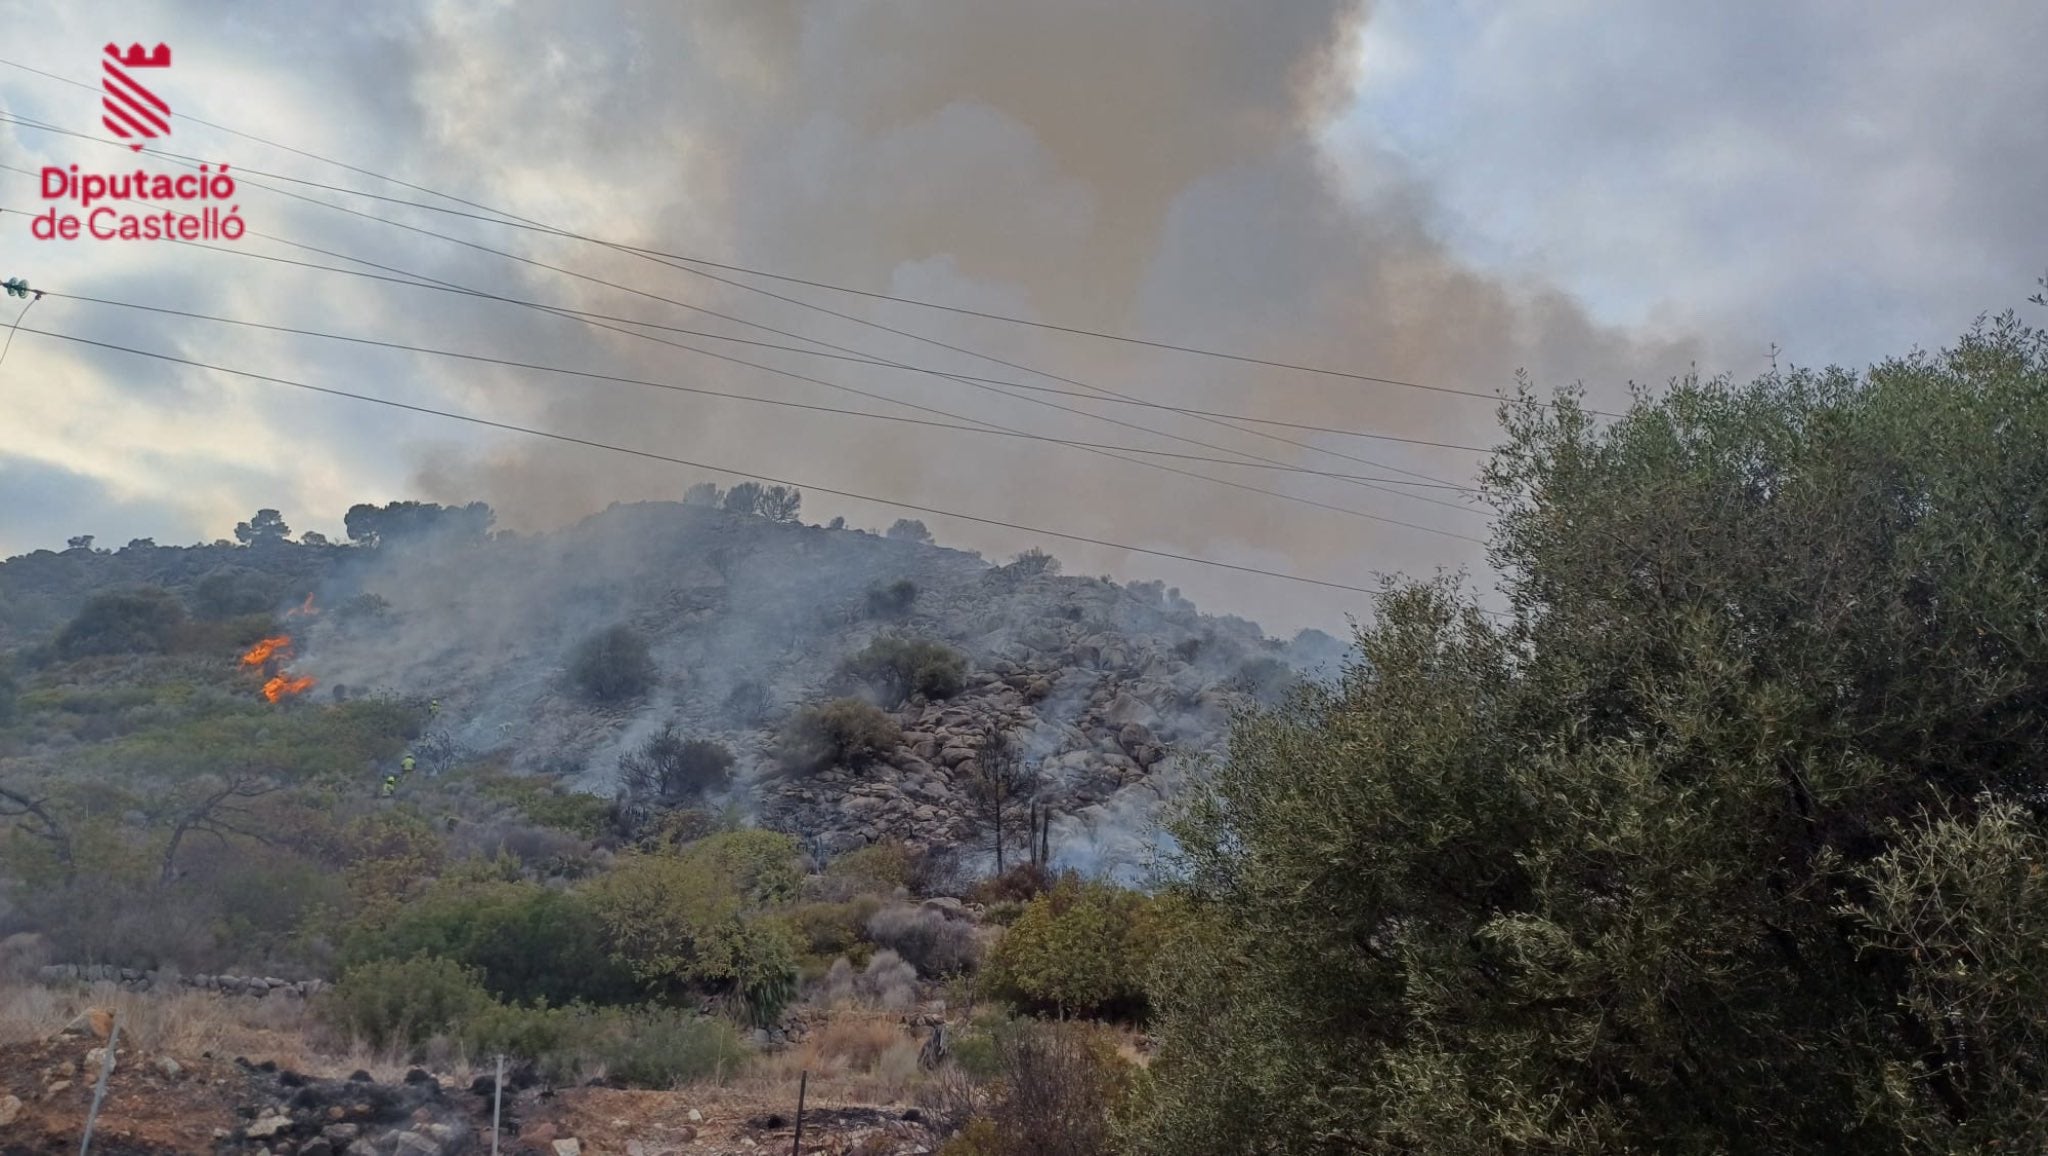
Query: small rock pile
[352,1117]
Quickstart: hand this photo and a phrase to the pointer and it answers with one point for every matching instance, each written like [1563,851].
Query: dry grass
[855,1057]
[191,1023]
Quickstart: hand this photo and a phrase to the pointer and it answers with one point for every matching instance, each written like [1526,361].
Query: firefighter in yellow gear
[406,764]
[390,785]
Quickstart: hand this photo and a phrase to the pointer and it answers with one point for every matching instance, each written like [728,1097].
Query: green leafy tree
[744,498]
[1083,948]
[404,521]
[266,528]
[780,503]
[1724,839]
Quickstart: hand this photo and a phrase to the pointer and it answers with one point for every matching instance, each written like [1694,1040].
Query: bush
[1060,1088]
[696,921]
[878,868]
[523,942]
[1079,949]
[846,731]
[909,530]
[612,665]
[1034,562]
[934,944]
[233,591]
[669,770]
[896,668]
[663,1048]
[1019,884]
[893,600]
[144,621]
[403,1003]
[830,930]
[545,802]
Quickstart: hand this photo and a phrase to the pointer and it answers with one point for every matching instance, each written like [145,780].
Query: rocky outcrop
[134,979]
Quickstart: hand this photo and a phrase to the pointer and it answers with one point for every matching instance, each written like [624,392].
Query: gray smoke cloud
[1148,167]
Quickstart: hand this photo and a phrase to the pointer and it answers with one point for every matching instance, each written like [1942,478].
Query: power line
[505,218]
[854,359]
[984,383]
[678,388]
[648,454]
[800,337]
[423,281]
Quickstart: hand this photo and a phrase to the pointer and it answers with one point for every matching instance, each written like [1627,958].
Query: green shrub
[544,802]
[612,666]
[908,530]
[523,942]
[697,921]
[845,731]
[1083,948]
[893,600]
[896,668]
[878,868]
[827,931]
[664,1048]
[655,1047]
[233,591]
[144,621]
[403,1003]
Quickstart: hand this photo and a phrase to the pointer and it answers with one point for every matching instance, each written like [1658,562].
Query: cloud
[47,504]
[1846,180]
[1433,193]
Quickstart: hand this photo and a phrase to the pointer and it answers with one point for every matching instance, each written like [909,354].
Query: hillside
[1107,692]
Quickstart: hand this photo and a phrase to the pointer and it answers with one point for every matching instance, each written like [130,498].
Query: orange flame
[304,609]
[282,687]
[266,650]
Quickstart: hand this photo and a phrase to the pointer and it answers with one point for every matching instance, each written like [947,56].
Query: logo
[131,109]
[145,205]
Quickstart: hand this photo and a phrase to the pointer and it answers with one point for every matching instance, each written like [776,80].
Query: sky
[1440,193]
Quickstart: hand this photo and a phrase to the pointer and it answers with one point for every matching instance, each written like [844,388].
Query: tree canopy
[1726,836]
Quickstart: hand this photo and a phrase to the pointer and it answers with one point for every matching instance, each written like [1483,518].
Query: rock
[59,1086]
[317,1146]
[170,1068]
[635,1148]
[341,1133]
[362,1148]
[539,1134]
[568,1147]
[414,1144]
[267,1126]
[686,1134]
[696,1117]
[10,1107]
[98,1056]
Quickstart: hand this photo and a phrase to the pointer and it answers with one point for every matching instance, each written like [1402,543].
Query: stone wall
[134,979]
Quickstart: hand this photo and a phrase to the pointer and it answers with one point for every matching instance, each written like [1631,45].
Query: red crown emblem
[130,110]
